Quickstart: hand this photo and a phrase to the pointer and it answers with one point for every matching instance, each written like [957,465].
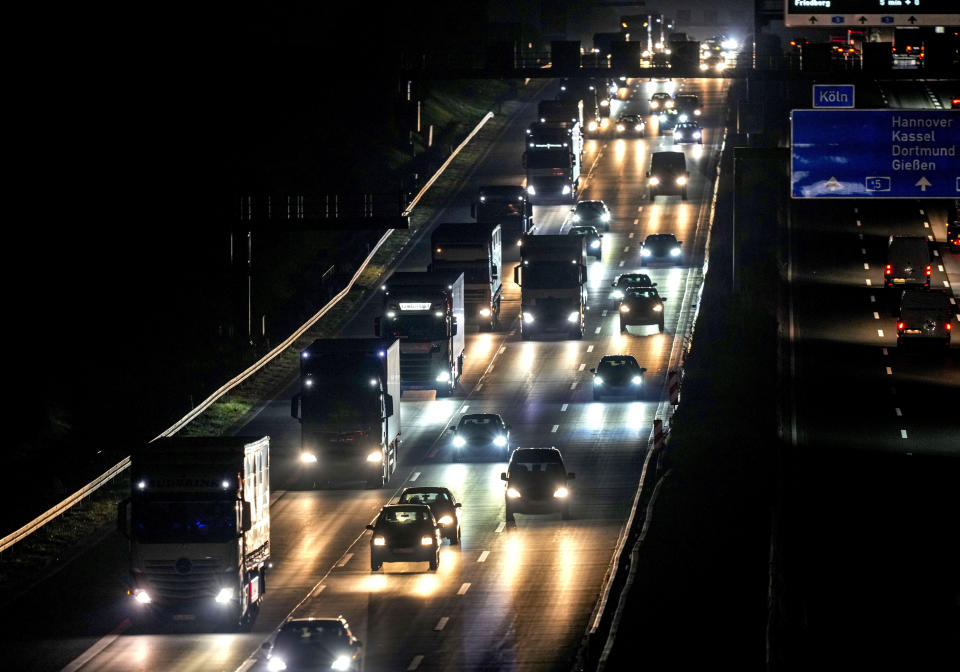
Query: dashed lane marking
[889,371]
[581,367]
[415,663]
[940,267]
[483,556]
[345,559]
[554,429]
[589,348]
[626,249]
[501,526]
[866,266]
[873,299]
[603,313]
[898,412]
[903,433]
[880,333]
[479,387]
[885,352]
[564,408]
[631,233]
[876,315]
[463,589]
[859,223]
[573,385]
[464,409]
[597,330]
[868,282]
[620,264]
[414,476]
[502,349]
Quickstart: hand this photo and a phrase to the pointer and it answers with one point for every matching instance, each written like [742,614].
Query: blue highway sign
[833,95]
[875,154]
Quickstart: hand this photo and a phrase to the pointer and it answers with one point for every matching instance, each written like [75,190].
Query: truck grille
[475,296]
[182,578]
[416,368]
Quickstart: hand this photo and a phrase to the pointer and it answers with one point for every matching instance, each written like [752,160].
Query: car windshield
[551,275]
[589,208]
[165,522]
[424,497]
[616,366]
[630,118]
[528,469]
[633,280]
[686,126]
[476,424]
[397,516]
[583,231]
[660,96]
[303,643]
[661,239]
[642,293]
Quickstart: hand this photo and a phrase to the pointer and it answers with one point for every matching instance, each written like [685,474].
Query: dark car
[661,100]
[405,533]
[537,482]
[688,131]
[592,236]
[668,120]
[641,305]
[480,435]
[625,281]
[617,375]
[631,124]
[313,644]
[595,213]
[668,174]
[660,246]
[688,106]
[445,507]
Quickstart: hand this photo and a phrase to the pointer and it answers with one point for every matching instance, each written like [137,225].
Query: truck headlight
[391,314]
[307,457]
[276,665]
[513,493]
[142,596]
[445,519]
[654,180]
[379,540]
[618,293]
[528,318]
[624,309]
[375,456]
[637,380]
[561,492]
[224,596]
[638,127]
[668,104]
[426,540]
[565,190]
[341,663]
[679,135]
[531,190]
[484,312]
[500,441]
[658,308]
[574,316]
[682,180]
[675,252]
[459,441]
[443,377]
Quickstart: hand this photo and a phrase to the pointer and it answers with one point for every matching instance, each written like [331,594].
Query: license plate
[899,281]
[184,617]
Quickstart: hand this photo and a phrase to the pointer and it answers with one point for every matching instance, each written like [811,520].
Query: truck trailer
[198,525]
[349,411]
[553,285]
[506,205]
[477,251]
[426,312]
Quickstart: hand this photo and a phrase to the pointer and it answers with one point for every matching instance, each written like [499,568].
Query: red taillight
[900,326]
[929,270]
[949,327]
[888,269]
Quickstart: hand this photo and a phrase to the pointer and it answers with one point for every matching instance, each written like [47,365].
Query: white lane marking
[464,409]
[635,222]
[626,249]
[868,282]
[922,212]
[620,264]
[903,433]
[863,250]
[889,371]
[500,527]
[866,266]
[322,587]
[581,367]
[415,663]
[345,559]
[926,225]
[885,352]
[952,300]
[97,647]
[873,299]
[880,333]
[946,284]
[502,350]
[603,313]
[856,210]
[479,387]
[936,253]
[491,368]
[590,347]
[631,233]
[940,267]
[597,330]
[414,476]
[858,223]
[463,589]
[483,556]
[876,315]
[930,238]
[573,385]
[555,428]
[563,408]
[898,412]
[860,235]
[640,209]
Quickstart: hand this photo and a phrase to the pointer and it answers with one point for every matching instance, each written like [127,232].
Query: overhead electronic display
[851,13]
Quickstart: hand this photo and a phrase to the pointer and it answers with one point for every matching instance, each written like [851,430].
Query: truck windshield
[347,393]
[420,327]
[548,159]
[168,522]
[550,274]
[490,210]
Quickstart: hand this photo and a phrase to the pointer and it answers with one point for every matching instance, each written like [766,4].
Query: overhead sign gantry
[854,13]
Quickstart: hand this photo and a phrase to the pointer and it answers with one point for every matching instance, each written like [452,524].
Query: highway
[509,598]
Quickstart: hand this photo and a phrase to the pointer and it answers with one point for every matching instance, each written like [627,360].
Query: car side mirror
[388,405]
[503,475]
[571,476]
[679,242]
[648,173]
[653,284]
[458,505]
[613,284]
[369,527]
[663,299]
[573,209]
[376,326]
[246,517]
[643,370]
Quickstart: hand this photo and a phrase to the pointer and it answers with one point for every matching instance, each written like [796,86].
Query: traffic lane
[904,94]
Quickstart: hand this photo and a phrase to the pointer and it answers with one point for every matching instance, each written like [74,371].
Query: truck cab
[476,250]
[506,205]
[552,275]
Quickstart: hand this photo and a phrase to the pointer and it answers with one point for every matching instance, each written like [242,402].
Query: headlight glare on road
[224,595]
[500,441]
[445,520]
[142,596]
[636,380]
[513,493]
[379,540]
[340,663]
[561,492]
[276,665]
[443,377]
[375,456]
[574,316]
[426,540]
[307,457]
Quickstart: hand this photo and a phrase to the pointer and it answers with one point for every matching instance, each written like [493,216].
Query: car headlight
[637,380]
[658,308]
[682,117]
[592,126]
[341,663]
[679,135]
[638,127]
[426,540]
[379,540]
[654,180]
[621,128]
[668,104]
[704,66]
[307,457]
[484,312]
[576,218]
[224,596]
[500,441]
[654,104]
[662,117]
[565,190]
[561,492]
[531,190]
[682,180]
[644,252]
[696,134]
[528,318]
[594,244]
[459,441]
[624,309]
[618,293]
[142,596]
[574,316]
[696,113]
[391,314]
[675,252]
[443,376]
[375,456]
[604,103]
[513,493]
[605,217]
[276,664]
[445,519]
[597,380]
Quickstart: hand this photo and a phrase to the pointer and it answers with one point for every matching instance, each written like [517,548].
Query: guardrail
[193,414]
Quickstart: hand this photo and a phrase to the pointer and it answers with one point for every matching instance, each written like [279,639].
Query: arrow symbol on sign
[833,185]
[862,20]
[923,183]
[912,20]
[813,19]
